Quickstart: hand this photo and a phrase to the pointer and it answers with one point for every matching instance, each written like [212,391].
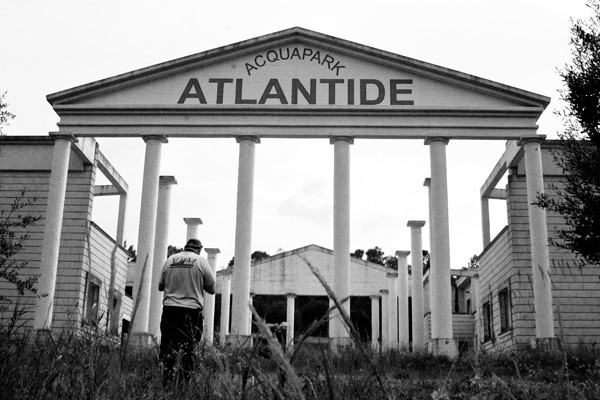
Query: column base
[339,344]
[545,344]
[42,335]
[141,339]
[443,347]
[238,341]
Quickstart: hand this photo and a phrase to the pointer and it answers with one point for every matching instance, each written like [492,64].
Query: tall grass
[90,364]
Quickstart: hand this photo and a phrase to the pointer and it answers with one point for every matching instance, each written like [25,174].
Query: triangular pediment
[286,76]
[296,67]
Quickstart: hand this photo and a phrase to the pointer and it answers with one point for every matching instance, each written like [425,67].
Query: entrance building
[300,84]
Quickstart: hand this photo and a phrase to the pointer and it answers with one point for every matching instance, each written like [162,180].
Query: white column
[250,315]
[416,250]
[147,228]
[290,315]
[403,325]
[209,299]
[475,309]
[485,221]
[225,306]
[385,320]
[538,230]
[192,225]
[375,321]
[441,304]
[121,218]
[429,292]
[161,245]
[243,237]
[341,231]
[393,299]
[52,231]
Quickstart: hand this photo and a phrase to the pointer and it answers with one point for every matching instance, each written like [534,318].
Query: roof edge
[180,64]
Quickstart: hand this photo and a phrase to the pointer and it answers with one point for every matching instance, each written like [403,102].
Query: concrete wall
[288,273]
[107,261]
[506,263]
[25,165]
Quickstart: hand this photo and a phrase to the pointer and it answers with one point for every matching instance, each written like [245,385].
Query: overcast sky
[52,46]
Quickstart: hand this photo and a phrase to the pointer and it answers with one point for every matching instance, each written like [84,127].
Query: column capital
[384,292]
[160,138]
[192,221]
[375,296]
[427,182]
[415,224]
[226,272]
[255,139]
[431,139]
[391,275]
[63,136]
[348,139]
[167,180]
[532,139]
[290,294]
[212,250]
[402,253]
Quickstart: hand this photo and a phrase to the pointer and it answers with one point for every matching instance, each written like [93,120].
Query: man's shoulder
[203,260]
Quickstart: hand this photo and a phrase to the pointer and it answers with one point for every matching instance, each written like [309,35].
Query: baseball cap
[193,244]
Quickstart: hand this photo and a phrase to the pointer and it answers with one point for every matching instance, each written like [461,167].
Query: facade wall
[288,273]
[506,264]
[77,211]
[26,166]
[107,262]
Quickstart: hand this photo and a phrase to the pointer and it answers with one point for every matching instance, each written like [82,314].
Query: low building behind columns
[92,266]
[288,272]
[505,312]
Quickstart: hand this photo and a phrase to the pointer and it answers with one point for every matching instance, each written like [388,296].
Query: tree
[578,201]
[375,255]
[131,252]
[259,255]
[390,262]
[13,234]
[426,260]
[358,253]
[173,250]
[5,115]
[255,256]
[473,261]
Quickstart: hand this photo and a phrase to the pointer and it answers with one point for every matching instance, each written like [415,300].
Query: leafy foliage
[13,226]
[259,255]
[358,253]
[375,255]
[5,115]
[173,250]
[131,252]
[579,157]
[255,256]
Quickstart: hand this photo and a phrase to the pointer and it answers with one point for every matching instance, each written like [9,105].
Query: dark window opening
[504,303]
[487,321]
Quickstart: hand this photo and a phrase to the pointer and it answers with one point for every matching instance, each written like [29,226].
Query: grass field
[89,365]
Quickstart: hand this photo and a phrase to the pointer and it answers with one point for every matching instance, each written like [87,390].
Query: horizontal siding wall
[68,298]
[108,262]
[427,328]
[575,285]
[495,271]
[463,327]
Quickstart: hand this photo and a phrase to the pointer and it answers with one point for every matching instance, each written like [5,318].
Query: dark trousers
[180,329]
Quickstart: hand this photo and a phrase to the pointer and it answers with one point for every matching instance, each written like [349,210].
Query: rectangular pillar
[52,231]
[146,234]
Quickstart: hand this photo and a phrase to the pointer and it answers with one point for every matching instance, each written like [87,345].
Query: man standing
[185,277]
